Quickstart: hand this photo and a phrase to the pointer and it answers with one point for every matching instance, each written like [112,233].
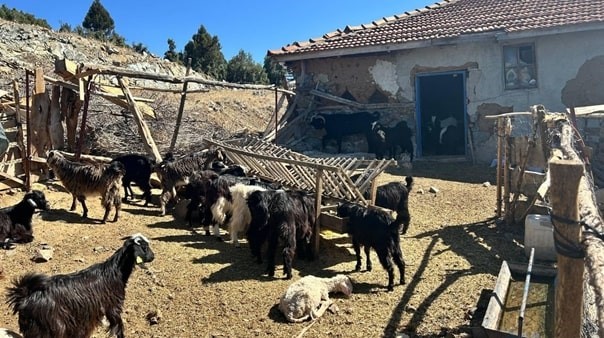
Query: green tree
[21,17]
[242,69]
[206,55]
[139,47]
[65,27]
[274,71]
[98,21]
[171,54]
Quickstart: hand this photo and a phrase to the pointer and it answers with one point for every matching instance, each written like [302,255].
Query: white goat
[240,212]
[308,298]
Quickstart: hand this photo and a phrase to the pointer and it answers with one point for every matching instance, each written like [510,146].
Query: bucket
[539,234]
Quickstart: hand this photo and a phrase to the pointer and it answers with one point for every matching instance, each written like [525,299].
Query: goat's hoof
[369,267]
[219,239]
[403,282]
[357,268]
[390,288]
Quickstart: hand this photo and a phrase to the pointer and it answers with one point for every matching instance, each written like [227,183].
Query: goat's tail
[24,288]
[409,180]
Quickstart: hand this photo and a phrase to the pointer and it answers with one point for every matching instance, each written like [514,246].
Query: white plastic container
[539,234]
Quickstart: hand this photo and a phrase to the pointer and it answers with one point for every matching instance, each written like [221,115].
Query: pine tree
[98,20]
[275,71]
[206,55]
[242,69]
[171,54]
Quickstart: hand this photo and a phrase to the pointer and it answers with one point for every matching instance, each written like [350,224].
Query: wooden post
[506,171]
[181,108]
[56,132]
[318,195]
[80,142]
[28,130]
[500,131]
[140,122]
[565,177]
[276,113]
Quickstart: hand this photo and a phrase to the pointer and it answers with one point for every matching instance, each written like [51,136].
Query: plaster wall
[392,76]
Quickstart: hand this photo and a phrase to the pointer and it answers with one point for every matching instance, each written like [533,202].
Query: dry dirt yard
[204,288]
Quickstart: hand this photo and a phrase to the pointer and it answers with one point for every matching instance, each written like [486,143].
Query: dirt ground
[204,288]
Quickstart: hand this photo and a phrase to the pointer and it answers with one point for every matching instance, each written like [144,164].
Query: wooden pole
[28,138]
[143,129]
[318,196]
[181,108]
[276,113]
[78,151]
[566,176]
[499,165]
[506,171]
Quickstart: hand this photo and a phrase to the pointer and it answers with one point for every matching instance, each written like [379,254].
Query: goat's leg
[357,252]
[397,255]
[82,200]
[288,254]
[272,247]
[116,326]
[163,200]
[73,202]
[118,207]
[146,192]
[367,255]
[386,262]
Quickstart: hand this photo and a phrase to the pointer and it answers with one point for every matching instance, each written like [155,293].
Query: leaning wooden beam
[87,69]
[181,108]
[140,122]
[101,94]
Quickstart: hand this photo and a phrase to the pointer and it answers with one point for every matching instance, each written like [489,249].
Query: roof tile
[452,18]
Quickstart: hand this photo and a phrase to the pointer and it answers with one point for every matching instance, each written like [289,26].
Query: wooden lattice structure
[339,178]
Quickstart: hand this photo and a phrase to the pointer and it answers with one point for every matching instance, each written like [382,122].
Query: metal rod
[525,292]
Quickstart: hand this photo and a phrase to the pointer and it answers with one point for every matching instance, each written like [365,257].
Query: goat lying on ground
[83,180]
[374,228]
[308,298]
[175,172]
[15,221]
[138,170]
[73,305]
[395,196]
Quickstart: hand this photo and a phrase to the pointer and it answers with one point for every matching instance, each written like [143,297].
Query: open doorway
[441,112]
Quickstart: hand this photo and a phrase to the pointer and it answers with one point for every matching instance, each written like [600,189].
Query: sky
[252,26]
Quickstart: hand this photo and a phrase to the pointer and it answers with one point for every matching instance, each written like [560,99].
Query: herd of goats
[223,195]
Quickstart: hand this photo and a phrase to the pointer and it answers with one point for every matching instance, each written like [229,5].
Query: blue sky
[254,26]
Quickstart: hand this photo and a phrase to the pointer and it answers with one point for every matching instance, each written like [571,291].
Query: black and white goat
[176,172]
[83,180]
[281,216]
[386,141]
[73,305]
[16,220]
[138,170]
[377,229]
[395,196]
[339,125]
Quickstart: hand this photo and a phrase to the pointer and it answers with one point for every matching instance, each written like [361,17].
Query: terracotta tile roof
[453,18]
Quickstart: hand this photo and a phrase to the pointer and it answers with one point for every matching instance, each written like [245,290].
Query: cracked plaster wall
[392,74]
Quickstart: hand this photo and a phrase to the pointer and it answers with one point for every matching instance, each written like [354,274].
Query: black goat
[395,196]
[281,216]
[388,140]
[138,170]
[83,180]
[73,305]
[15,221]
[175,172]
[374,228]
[339,125]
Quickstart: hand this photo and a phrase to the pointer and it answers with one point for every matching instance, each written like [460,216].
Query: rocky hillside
[217,113]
